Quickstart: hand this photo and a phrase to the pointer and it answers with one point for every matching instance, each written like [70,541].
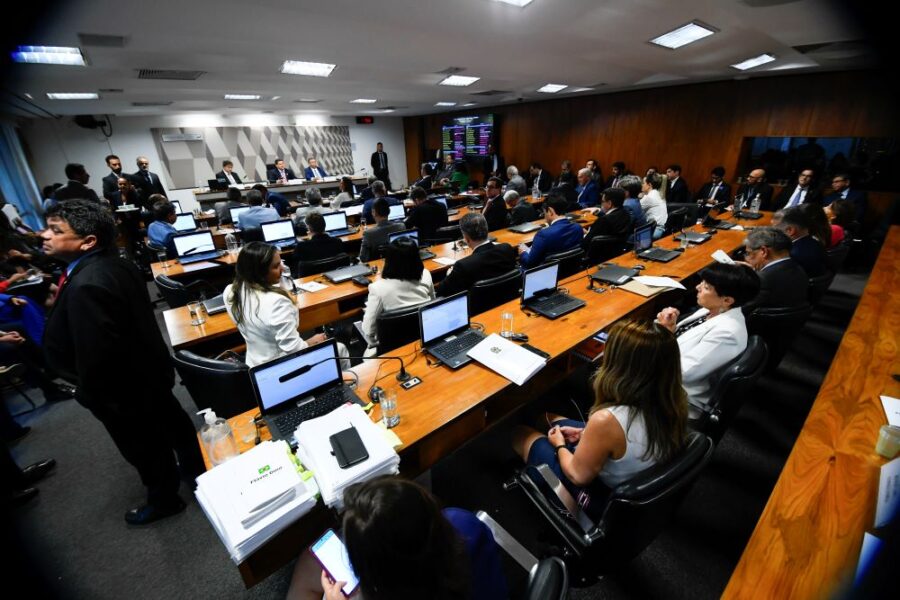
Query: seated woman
[403,546]
[404,282]
[819,227]
[639,417]
[716,334]
[840,215]
[345,197]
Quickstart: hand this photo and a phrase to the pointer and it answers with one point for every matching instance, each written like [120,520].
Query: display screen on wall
[468,136]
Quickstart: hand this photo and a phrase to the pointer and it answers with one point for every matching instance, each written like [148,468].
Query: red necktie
[60,283]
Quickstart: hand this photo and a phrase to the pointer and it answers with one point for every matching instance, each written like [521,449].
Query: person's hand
[332,588]
[317,339]
[13,253]
[555,435]
[17,276]
[523,248]
[12,337]
[18,301]
[571,434]
[592,209]
[667,317]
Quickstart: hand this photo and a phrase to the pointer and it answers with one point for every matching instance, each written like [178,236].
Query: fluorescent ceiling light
[49,55]
[311,69]
[386,110]
[459,80]
[754,62]
[445,103]
[276,97]
[73,96]
[468,104]
[683,36]
[574,90]
[519,3]
[242,97]
[364,101]
[552,88]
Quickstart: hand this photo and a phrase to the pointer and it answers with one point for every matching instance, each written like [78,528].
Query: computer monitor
[236,214]
[442,200]
[176,204]
[194,243]
[643,238]
[275,231]
[540,280]
[398,213]
[185,222]
[335,221]
[413,234]
[442,317]
[277,381]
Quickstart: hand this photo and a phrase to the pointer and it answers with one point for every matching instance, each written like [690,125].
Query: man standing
[802,193]
[379,164]
[110,182]
[76,187]
[280,173]
[102,310]
[493,163]
[227,173]
[314,172]
[147,183]
[677,191]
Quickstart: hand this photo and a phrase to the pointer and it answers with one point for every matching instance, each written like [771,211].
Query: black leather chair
[221,385]
[835,257]
[604,248]
[178,294]
[778,327]
[732,389]
[570,261]
[488,293]
[632,516]
[692,209]
[396,328]
[252,235]
[450,233]
[304,268]
[818,286]
[676,220]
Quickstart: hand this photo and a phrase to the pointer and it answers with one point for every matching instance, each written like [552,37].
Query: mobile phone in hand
[331,553]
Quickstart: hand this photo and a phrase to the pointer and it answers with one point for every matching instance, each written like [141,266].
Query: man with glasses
[804,192]
[495,212]
[716,190]
[146,183]
[840,183]
[782,282]
[755,185]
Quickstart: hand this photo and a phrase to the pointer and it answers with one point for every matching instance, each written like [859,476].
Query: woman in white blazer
[404,282]
[653,205]
[716,334]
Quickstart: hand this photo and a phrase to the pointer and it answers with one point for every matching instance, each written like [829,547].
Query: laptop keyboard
[460,344]
[322,405]
[555,301]
[657,253]
[192,258]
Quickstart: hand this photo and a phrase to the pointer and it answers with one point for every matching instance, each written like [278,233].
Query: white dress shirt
[654,207]
[391,294]
[269,327]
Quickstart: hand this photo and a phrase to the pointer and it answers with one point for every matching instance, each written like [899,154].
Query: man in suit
[126,194]
[427,215]
[487,259]
[76,188]
[314,172]
[677,189]
[227,173]
[280,173]
[840,183]
[494,211]
[782,282]
[588,193]
[320,245]
[367,193]
[716,190]
[515,181]
[447,170]
[567,185]
[111,181]
[541,177]
[425,181]
[560,236]
[223,208]
[257,214]
[493,165]
[519,210]
[565,173]
[596,174]
[618,171]
[379,191]
[102,310]
[754,185]
[614,220]
[379,164]
[147,183]
[273,199]
[804,192]
[805,249]
[376,237]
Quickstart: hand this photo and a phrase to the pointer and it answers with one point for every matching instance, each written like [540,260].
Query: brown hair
[251,273]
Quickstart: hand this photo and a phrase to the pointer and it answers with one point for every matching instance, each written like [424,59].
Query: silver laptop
[185,222]
[195,247]
[236,214]
[398,213]
[539,292]
[279,233]
[336,223]
[445,331]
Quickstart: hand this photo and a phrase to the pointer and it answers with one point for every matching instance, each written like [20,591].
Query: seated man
[257,214]
[714,191]
[161,231]
[367,193]
[313,198]
[754,186]
[273,199]
[494,211]
[486,260]
[805,249]
[566,185]
[379,192]
[519,211]
[280,172]
[515,181]
[560,236]
[677,190]
[841,186]
[782,282]
[320,245]
[376,237]
[227,173]
[804,192]
[614,220]
[223,208]
[427,215]
[588,192]
[425,181]
[314,172]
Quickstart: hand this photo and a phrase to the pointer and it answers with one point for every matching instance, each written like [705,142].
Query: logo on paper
[264,469]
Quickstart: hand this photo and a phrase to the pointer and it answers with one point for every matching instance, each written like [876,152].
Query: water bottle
[231,244]
[217,438]
[535,190]
[738,202]
[754,206]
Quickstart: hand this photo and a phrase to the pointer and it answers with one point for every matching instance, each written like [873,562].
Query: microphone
[374,391]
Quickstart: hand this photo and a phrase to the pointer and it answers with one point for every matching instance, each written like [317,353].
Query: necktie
[60,282]
[712,192]
[149,177]
[795,199]
[381,159]
[615,182]
[687,327]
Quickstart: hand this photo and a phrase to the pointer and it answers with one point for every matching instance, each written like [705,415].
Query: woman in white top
[713,336]
[404,282]
[653,205]
[639,417]
[346,194]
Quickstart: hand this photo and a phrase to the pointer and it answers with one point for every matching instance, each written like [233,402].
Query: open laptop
[300,386]
[347,273]
[217,185]
[443,200]
[279,233]
[694,237]
[177,205]
[539,292]
[398,213]
[336,223]
[643,246]
[412,234]
[214,305]
[236,214]
[195,246]
[185,222]
[445,332]
[526,227]
[350,211]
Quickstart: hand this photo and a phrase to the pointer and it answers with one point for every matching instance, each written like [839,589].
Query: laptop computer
[177,205]
[527,227]
[195,246]
[445,332]
[236,214]
[300,386]
[279,233]
[413,234]
[214,305]
[336,223]
[694,237]
[539,292]
[398,212]
[185,222]
[347,273]
[350,211]
[643,246]
[443,200]
[217,185]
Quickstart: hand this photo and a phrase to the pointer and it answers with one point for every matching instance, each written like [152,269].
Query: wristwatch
[556,449]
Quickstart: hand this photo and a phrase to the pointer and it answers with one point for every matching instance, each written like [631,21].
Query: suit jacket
[103,310]
[781,285]
[279,203]
[221,175]
[544,181]
[518,184]
[486,261]
[748,193]
[424,183]
[274,175]
[318,247]
[588,195]
[111,184]
[677,191]
[615,222]
[562,235]
[376,165]
[147,187]
[308,173]
[812,196]
[857,197]
[488,166]
[367,193]
[723,193]
[427,218]
[522,213]
[376,237]
[496,213]
[75,190]
[115,199]
[569,193]
[809,254]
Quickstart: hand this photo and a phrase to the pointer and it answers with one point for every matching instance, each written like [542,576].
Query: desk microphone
[374,391]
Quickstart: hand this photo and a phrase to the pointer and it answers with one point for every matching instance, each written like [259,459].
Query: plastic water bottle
[231,244]
[535,190]
[757,202]
[217,438]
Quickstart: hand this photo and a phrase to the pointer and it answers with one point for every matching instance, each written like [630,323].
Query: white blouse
[654,207]
[391,294]
[270,325]
[618,470]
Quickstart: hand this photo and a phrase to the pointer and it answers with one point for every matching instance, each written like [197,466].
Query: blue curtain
[16,181]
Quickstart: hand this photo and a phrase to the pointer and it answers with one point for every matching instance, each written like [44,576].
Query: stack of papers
[253,496]
[506,358]
[314,449]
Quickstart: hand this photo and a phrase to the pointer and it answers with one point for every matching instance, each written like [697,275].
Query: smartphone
[331,553]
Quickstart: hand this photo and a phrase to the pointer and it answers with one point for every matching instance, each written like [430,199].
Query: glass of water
[163,258]
[506,324]
[196,310]
[389,413]
[685,242]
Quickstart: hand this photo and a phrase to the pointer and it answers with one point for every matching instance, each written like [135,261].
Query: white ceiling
[393,50]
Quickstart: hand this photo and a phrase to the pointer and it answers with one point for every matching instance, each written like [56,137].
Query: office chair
[569,261]
[488,293]
[605,247]
[397,328]
[252,235]
[449,233]
[221,385]
[178,294]
[835,257]
[818,286]
[732,389]
[692,209]
[303,268]
[676,220]
[631,517]
[778,327]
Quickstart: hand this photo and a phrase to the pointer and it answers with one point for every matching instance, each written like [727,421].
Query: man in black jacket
[495,211]
[677,190]
[76,188]
[111,181]
[614,220]
[486,261]
[427,215]
[805,249]
[379,164]
[803,192]
[755,185]
[102,310]
[714,191]
[227,173]
[147,183]
[782,282]
[320,245]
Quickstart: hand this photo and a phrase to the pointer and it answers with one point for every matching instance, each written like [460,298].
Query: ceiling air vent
[111,90]
[491,93]
[151,103]
[307,101]
[169,74]
[102,41]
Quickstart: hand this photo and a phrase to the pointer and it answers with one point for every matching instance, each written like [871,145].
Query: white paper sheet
[665,282]
[443,260]
[312,286]
[891,409]
[888,493]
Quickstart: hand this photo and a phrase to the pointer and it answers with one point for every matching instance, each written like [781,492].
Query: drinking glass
[161,257]
[506,324]
[196,310]
[389,413]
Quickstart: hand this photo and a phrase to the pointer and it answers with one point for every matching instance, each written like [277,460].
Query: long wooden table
[807,541]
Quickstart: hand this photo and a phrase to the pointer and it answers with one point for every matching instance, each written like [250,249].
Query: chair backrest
[692,209]
[548,580]
[604,248]
[570,261]
[778,327]
[305,268]
[448,233]
[396,328]
[835,257]
[676,219]
[221,385]
[174,292]
[488,293]
[819,285]
[254,234]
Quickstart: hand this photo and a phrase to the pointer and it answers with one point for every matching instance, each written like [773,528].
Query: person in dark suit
[227,173]
[677,189]
[614,220]
[367,192]
[840,183]
[111,181]
[280,172]
[76,188]
[126,194]
[273,199]
[596,174]
[588,194]
[560,236]
[804,192]
[782,282]
[375,237]
[314,172]
[519,210]
[487,259]
[543,179]
[618,171]
[379,192]
[493,165]
[495,212]
[379,164]
[567,185]
[427,215]
[716,190]
[754,185]
[320,245]
[426,180]
[147,183]
[102,310]
[805,249]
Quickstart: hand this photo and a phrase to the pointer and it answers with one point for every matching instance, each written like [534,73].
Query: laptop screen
[539,279]
[643,238]
[185,222]
[352,210]
[442,200]
[194,243]
[277,231]
[177,205]
[335,221]
[271,391]
[406,233]
[444,316]
[397,213]
[236,214]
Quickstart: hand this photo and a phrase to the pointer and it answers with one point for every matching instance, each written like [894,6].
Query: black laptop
[412,234]
[347,273]
[445,331]
[279,233]
[300,386]
[643,246]
[694,237]
[184,222]
[539,292]
[195,246]
[336,223]
[443,200]
[526,227]
[217,185]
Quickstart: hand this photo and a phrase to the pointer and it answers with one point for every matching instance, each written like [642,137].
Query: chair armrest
[510,545]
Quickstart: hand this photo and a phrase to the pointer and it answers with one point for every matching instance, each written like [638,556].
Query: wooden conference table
[449,408]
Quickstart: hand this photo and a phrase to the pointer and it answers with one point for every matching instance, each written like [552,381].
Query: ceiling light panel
[459,80]
[49,55]
[684,35]
[73,96]
[242,96]
[754,62]
[552,88]
[310,69]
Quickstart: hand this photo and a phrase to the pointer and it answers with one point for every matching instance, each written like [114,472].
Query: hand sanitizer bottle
[217,438]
